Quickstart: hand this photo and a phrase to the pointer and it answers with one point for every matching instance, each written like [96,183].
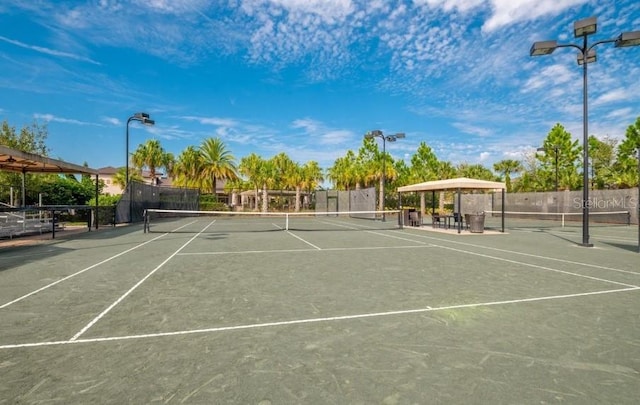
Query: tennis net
[181,221]
[522,219]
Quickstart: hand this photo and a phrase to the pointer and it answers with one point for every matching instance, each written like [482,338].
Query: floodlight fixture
[591,57]
[585,27]
[631,38]
[582,29]
[543,48]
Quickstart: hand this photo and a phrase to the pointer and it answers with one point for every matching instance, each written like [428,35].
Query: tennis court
[203,310]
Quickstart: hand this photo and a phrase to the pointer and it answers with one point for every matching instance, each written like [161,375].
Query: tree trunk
[265,198]
[297,205]
[441,203]
[381,204]
[256,198]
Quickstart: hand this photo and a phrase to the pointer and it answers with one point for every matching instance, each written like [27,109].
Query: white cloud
[450,5]
[613,96]
[508,12]
[49,51]
[473,129]
[112,121]
[53,118]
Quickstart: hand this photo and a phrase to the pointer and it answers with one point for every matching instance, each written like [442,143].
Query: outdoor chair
[436,221]
[457,218]
[414,218]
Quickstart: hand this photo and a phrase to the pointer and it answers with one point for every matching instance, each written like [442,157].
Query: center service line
[106,311]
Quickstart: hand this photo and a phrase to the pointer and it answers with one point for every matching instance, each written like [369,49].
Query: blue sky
[310,77]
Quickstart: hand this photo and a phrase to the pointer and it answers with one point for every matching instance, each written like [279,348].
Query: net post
[145,226]
[401,213]
[286,221]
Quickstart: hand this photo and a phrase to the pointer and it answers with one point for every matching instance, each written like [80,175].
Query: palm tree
[506,167]
[120,178]
[250,168]
[311,176]
[187,169]
[152,156]
[217,163]
[346,172]
[267,176]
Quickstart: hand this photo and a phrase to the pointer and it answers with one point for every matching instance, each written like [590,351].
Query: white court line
[123,296]
[314,320]
[241,252]
[595,266]
[78,273]
[535,266]
[85,269]
[301,239]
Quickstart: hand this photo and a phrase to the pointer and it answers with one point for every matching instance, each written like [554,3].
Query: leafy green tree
[626,166]
[568,156]
[31,139]
[424,164]
[61,190]
[602,158]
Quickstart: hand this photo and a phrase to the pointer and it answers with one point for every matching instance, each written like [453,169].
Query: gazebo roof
[13,160]
[462,183]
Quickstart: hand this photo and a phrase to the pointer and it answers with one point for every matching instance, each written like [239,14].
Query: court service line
[242,252]
[314,320]
[78,272]
[595,266]
[123,296]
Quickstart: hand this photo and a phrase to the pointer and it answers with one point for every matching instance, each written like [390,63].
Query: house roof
[462,183]
[13,160]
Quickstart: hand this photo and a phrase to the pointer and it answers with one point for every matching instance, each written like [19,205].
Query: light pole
[555,150]
[390,138]
[638,201]
[586,55]
[144,119]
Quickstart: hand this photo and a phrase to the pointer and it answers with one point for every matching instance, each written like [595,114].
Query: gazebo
[16,161]
[458,185]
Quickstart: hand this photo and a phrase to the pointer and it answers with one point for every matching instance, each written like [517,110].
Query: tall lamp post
[390,138]
[144,119]
[586,55]
[638,201]
[555,150]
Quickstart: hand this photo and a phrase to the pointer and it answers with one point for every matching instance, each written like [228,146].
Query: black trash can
[476,223]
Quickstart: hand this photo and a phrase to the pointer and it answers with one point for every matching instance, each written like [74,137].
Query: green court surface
[215,313]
